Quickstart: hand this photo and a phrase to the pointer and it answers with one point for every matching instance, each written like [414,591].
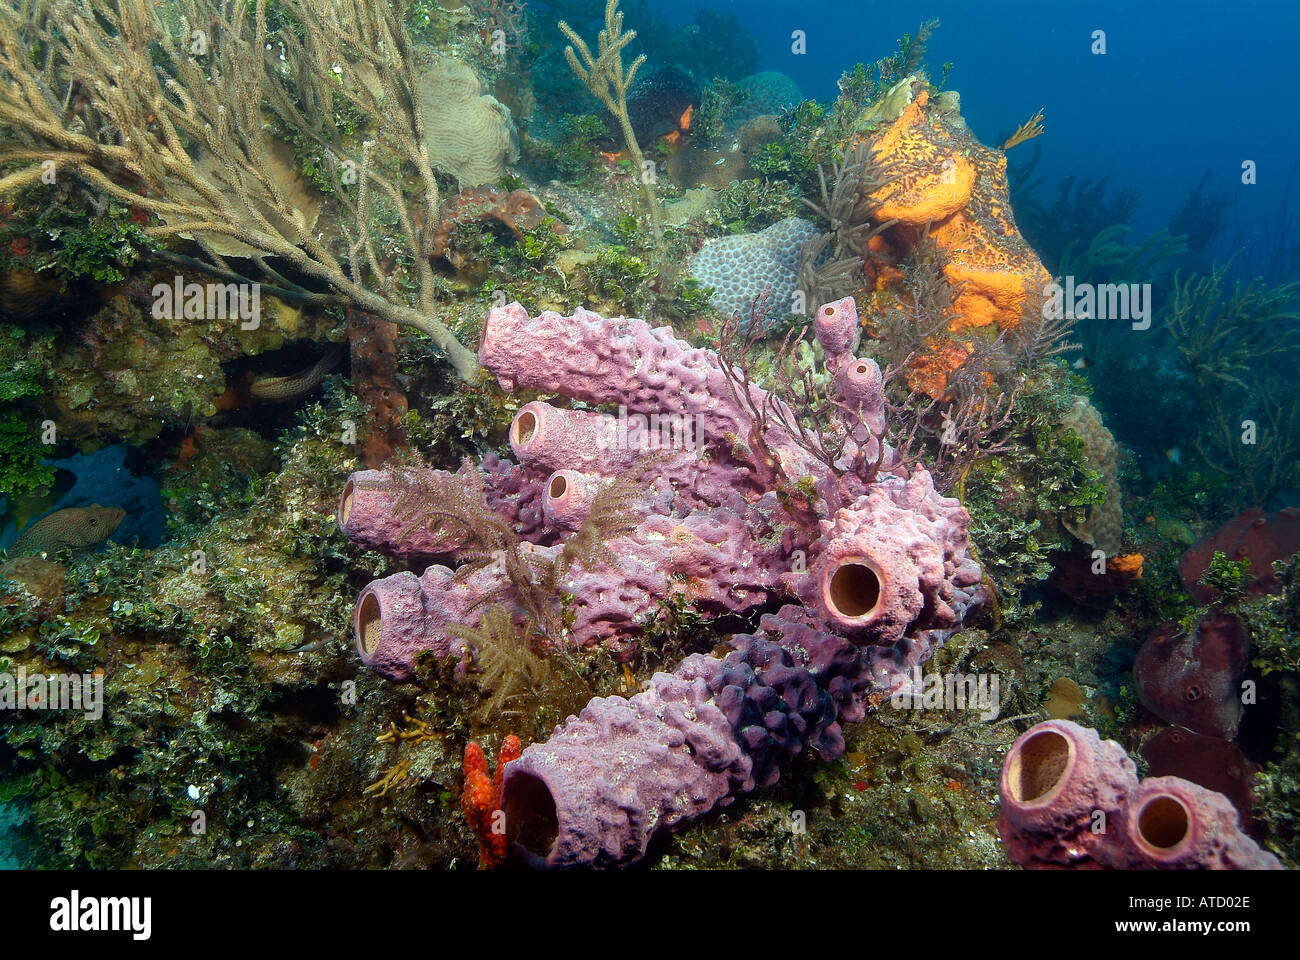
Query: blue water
[103,477]
[1184,87]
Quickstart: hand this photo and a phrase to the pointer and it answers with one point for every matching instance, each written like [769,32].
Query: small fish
[1174,456]
[75,527]
[313,646]
[1083,363]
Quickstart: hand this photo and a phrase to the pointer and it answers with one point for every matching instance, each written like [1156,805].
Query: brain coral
[769,92]
[739,268]
[469,134]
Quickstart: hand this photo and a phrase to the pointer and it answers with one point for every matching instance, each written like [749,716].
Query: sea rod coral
[746,510]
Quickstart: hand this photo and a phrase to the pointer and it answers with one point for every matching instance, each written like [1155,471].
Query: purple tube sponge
[597,791]
[567,501]
[838,330]
[776,695]
[399,617]
[365,510]
[711,556]
[741,513]
[1063,790]
[776,707]
[606,781]
[1071,799]
[1174,824]
[645,370]
[897,561]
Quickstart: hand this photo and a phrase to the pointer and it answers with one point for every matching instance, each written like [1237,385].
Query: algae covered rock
[1103,527]
[130,371]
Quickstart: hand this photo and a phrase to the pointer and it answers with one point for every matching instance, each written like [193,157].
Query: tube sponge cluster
[874,570]
[1071,799]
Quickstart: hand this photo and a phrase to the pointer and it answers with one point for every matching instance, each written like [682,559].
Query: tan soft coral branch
[1033,127]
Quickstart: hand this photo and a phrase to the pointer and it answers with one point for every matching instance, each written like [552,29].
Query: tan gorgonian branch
[608,82]
[1033,127]
[175,101]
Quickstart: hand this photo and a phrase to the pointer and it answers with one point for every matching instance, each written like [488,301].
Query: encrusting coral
[743,511]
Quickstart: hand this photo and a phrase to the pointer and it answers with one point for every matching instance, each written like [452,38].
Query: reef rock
[43,579]
[515,211]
